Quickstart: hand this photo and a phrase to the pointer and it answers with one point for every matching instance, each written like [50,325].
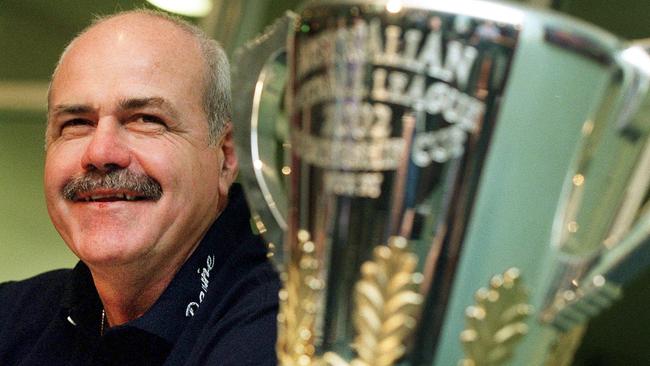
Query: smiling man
[138,173]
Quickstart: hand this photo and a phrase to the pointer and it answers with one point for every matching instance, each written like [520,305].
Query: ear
[229,164]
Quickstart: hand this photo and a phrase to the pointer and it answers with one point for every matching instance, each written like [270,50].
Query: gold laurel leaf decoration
[386,305]
[332,359]
[298,306]
[496,323]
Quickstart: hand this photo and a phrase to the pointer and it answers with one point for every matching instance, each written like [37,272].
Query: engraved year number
[357,121]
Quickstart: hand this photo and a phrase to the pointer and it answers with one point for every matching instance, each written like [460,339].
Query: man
[139,164]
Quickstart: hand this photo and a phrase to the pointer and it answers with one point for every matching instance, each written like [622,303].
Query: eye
[148,118]
[146,123]
[76,122]
[75,127]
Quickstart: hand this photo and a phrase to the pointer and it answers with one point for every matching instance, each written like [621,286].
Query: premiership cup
[442,181]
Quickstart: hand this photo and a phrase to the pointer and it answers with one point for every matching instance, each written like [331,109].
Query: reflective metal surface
[600,230]
[260,77]
[391,114]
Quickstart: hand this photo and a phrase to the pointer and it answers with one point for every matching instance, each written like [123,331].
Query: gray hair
[216,96]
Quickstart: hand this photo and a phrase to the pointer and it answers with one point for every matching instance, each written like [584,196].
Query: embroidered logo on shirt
[193,306]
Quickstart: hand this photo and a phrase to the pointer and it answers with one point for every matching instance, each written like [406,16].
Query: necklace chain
[101,327]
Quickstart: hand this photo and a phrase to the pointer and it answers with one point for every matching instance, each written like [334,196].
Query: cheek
[205,175]
[60,165]
[58,169]
[179,169]
[156,158]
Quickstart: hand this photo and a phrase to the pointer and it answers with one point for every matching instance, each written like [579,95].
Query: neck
[128,291]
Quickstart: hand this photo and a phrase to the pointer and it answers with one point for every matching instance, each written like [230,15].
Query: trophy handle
[259,78]
[603,223]
[635,119]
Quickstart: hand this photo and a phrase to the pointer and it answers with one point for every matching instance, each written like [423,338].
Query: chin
[103,253]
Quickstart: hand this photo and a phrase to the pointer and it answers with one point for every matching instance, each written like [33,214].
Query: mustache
[121,179]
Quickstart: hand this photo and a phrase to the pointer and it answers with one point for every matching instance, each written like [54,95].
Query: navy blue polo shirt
[220,309]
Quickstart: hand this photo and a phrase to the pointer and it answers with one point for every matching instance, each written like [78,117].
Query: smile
[110,197]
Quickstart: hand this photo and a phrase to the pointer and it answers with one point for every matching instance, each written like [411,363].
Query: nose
[107,149]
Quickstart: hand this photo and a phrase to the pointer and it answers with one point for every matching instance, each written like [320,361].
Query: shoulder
[27,307]
[238,323]
[242,329]
[257,290]
[48,282]
[241,264]
[30,299]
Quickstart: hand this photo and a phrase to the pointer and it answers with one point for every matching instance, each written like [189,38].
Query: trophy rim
[502,13]
[516,15]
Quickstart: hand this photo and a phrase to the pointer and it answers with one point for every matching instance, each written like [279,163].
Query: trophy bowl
[442,181]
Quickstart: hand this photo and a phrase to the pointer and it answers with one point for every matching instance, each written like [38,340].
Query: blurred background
[34,32]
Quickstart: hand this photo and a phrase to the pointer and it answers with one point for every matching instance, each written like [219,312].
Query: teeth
[117,196]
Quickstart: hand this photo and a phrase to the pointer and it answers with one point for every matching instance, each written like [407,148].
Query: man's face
[127,99]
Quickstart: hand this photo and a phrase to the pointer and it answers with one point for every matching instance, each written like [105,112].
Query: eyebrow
[124,104]
[157,102]
[71,109]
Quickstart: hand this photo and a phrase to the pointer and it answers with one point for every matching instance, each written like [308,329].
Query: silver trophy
[402,155]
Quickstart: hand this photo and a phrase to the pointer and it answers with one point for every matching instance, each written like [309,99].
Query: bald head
[168,33]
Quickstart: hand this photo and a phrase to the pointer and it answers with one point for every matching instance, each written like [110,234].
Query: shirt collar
[81,302]
[184,295]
